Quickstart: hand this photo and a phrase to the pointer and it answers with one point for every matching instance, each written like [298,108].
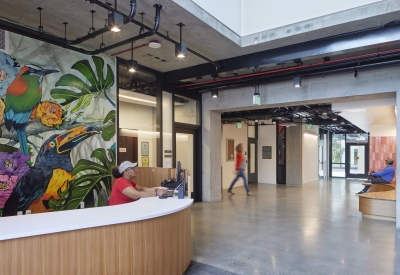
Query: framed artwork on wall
[230,151]
[145,148]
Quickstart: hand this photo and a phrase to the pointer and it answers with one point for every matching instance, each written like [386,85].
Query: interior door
[186,152]
[357,164]
[252,160]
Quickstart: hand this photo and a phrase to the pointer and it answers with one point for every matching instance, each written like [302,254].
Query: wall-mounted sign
[122,150]
[167,151]
[267,152]
[256,100]
[145,148]
[239,125]
[167,156]
[308,126]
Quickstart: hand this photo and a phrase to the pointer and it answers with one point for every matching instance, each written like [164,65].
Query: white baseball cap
[125,165]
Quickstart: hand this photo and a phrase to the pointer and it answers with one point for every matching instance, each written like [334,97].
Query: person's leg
[378,179]
[241,174]
[233,183]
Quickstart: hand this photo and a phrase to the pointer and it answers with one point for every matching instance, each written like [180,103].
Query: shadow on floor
[196,268]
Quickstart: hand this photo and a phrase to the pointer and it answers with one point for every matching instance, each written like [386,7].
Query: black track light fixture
[297,81]
[214,93]
[180,49]
[65,30]
[334,117]
[355,73]
[40,28]
[133,64]
[92,29]
[115,21]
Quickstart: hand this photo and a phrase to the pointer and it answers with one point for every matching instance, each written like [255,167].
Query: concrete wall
[228,166]
[267,167]
[295,11]
[226,11]
[294,152]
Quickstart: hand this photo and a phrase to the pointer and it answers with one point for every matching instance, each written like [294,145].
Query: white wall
[228,167]
[260,15]
[267,167]
[310,155]
[228,12]
[141,118]
[382,130]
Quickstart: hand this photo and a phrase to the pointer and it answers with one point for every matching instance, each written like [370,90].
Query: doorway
[357,160]
[252,160]
[187,152]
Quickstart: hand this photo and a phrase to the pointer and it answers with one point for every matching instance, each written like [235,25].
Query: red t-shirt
[239,159]
[116,196]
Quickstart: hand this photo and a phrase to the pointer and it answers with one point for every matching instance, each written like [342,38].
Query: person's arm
[379,173]
[134,194]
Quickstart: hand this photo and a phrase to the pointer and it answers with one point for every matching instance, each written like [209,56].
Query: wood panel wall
[151,176]
[156,246]
[131,146]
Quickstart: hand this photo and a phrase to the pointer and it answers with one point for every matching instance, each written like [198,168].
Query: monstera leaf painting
[98,84]
[89,175]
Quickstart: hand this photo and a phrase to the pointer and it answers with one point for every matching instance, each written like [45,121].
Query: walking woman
[240,163]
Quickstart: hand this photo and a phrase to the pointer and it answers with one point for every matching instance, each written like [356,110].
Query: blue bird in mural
[54,154]
[22,96]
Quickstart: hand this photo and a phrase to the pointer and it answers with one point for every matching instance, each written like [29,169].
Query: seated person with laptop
[125,189]
[384,176]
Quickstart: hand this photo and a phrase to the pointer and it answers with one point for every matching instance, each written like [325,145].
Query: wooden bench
[380,202]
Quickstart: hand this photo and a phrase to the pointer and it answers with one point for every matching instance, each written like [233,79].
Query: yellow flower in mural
[2,106]
[50,113]
[60,179]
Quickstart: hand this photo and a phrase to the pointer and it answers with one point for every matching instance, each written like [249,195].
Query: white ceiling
[366,113]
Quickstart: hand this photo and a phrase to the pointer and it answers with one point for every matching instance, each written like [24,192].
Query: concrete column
[211,134]
[294,148]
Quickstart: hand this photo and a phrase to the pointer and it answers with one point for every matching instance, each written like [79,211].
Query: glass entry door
[357,160]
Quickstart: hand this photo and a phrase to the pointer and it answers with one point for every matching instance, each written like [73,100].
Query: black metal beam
[366,39]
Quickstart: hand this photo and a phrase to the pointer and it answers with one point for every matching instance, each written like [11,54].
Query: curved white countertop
[53,222]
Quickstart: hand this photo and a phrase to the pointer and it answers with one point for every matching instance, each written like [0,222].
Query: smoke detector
[154,44]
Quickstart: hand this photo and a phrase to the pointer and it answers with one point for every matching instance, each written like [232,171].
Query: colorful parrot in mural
[22,96]
[54,154]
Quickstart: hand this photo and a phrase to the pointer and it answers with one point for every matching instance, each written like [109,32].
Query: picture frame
[145,161]
[145,148]
[230,149]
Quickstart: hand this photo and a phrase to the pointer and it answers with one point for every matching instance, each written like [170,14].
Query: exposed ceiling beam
[366,39]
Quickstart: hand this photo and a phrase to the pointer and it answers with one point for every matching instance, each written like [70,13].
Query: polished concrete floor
[312,229]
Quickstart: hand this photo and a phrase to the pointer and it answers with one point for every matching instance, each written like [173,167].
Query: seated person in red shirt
[125,189]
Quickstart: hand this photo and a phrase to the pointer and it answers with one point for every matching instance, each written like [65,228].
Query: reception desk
[149,236]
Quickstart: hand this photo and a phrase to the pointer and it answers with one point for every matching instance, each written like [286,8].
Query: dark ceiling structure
[317,114]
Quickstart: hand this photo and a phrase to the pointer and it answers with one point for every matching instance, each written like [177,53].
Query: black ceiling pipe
[127,19]
[61,42]
[307,72]
[105,6]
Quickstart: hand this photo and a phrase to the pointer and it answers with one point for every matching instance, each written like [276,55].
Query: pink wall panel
[381,148]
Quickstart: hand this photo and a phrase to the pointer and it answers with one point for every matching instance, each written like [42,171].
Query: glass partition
[338,155]
[137,133]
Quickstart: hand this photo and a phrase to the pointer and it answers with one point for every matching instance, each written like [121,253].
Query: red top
[116,196]
[239,159]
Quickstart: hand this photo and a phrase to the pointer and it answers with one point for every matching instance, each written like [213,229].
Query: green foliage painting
[98,84]
[90,175]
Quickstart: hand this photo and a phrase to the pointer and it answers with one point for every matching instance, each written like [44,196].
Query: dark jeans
[373,179]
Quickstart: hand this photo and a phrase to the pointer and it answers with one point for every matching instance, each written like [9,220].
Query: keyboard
[169,194]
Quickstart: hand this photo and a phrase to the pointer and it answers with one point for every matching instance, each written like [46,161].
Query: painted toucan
[22,96]
[54,153]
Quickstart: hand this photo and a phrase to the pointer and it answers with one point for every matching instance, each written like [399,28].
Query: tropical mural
[57,128]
